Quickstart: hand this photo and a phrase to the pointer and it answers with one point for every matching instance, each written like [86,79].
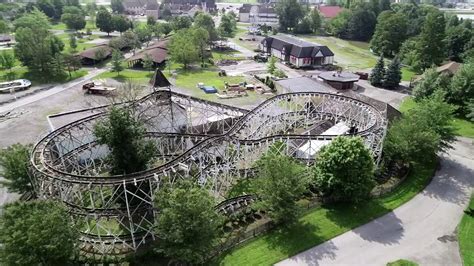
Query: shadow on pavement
[451,183]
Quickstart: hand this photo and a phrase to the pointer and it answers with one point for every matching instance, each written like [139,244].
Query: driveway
[422,230]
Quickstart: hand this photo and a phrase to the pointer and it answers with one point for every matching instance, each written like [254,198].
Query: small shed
[339,80]
[95,54]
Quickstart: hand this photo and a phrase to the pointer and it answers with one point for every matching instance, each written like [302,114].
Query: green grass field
[324,223]
[466,236]
[137,76]
[407,74]
[350,55]
[464,128]
[82,44]
[227,55]
[402,263]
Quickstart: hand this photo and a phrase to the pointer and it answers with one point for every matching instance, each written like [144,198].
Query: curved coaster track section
[213,144]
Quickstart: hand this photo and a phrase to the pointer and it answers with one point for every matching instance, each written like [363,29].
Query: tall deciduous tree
[393,75]
[461,91]
[228,26]
[117,59]
[422,131]
[181,22]
[117,6]
[183,49]
[289,13]
[73,17]
[378,73]
[14,168]
[430,49]
[148,63]
[124,136]
[104,21]
[281,183]
[201,39]
[271,67]
[457,37]
[120,23]
[205,21]
[390,33]
[72,42]
[361,25]
[36,233]
[188,225]
[316,21]
[344,170]
[36,47]
[72,63]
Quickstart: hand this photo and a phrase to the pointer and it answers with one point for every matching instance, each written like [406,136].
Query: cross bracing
[213,144]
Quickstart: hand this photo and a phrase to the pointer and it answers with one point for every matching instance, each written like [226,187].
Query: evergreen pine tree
[378,72]
[393,75]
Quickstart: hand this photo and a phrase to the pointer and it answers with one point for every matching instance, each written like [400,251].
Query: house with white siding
[297,52]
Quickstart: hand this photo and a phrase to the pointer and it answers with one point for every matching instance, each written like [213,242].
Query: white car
[14,85]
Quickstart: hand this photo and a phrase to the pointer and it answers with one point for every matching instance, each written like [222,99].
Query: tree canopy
[73,17]
[188,226]
[14,168]
[389,34]
[344,169]
[182,48]
[104,21]
[289,12]
[228,26]
[124,136]
[36,232]
[281,182]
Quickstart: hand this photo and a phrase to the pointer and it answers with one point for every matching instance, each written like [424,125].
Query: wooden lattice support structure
[211,143]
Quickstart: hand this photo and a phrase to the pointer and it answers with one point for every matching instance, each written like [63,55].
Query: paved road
[422,230]
[41,95]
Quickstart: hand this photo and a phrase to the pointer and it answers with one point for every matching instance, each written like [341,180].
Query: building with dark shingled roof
[297,52]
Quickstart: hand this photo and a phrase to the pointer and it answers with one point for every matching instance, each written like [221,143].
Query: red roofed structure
[330,11]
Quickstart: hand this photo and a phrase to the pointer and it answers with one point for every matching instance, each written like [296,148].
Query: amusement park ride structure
[213,144]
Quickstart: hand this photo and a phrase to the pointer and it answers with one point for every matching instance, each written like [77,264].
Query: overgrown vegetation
[14,162]
[466,234]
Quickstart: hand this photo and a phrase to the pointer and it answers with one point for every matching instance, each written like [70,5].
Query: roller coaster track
[63,163]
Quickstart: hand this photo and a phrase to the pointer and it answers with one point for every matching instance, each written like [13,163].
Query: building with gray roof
[297,52]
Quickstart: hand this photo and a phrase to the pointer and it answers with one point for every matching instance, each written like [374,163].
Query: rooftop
[303,84]
[330,11]
[339,76]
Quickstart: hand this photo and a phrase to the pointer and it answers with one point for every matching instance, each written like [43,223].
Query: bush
[344,170]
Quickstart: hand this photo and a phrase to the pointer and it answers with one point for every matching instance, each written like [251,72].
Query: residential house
[142,7]
[297,52]
[258,14]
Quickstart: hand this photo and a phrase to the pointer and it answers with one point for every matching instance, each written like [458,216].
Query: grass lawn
[464,128]
[350,55]
[81,43]
[246,44]
[58,26]
[402,263]
[407,74]
[466,236]
[321,224]
[139,76]
[227,55]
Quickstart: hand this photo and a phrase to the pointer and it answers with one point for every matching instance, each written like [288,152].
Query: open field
[131,75]
[321,224]
[82,44]
[464,128]
[466,235]
[350,55]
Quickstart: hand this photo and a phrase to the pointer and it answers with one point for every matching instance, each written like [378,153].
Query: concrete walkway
[422,230]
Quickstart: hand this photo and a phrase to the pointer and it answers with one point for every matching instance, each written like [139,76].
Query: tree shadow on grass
[387,230]
[298,237]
